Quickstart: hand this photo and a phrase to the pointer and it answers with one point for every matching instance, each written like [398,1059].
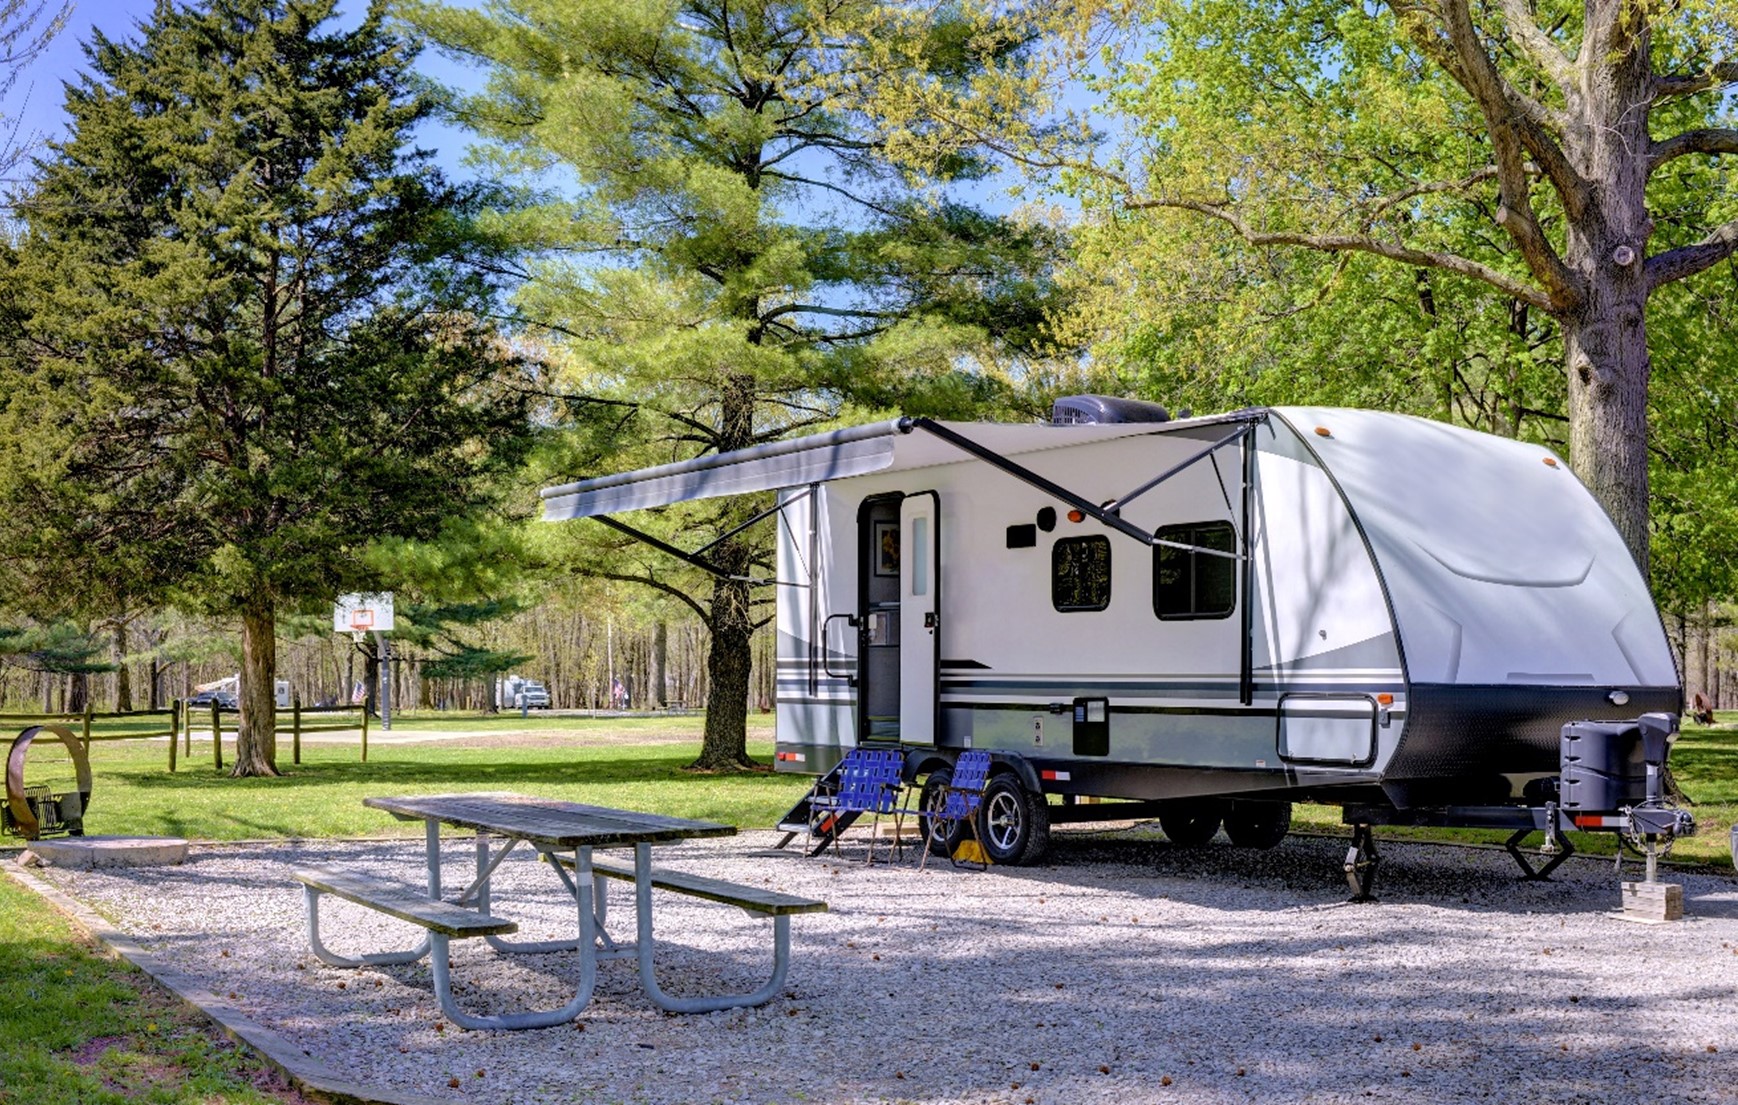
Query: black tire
[943,836]
[1191,822]
[1013,822]
[1258,824]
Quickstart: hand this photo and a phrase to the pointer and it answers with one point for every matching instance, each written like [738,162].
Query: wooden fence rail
[181,723]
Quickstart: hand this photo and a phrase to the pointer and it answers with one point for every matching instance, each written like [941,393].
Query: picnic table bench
[566,834]
[406,903]
[751,899]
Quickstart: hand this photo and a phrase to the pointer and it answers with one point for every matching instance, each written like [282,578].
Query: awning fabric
[856,451]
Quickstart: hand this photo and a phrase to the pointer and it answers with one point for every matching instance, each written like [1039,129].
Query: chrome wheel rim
[1002,820]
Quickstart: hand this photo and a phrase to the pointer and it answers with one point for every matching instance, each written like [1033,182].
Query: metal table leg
[781,942]
[540,1018]
[486,864]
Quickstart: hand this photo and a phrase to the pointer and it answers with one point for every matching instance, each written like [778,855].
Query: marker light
[1551,462]
[1385,699]
[1323,431]
[1076,516]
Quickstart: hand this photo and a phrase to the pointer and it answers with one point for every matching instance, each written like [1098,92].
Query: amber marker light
[1076,516]
[1385,699]
[1323,431]
[1550,462]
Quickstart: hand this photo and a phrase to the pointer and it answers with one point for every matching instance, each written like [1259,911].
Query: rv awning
[856,451]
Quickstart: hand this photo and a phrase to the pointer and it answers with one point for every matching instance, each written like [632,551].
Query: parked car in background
[224,700]
[515,692]
[532,695]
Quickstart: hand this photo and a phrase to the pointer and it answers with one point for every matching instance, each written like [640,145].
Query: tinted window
[1189,584]
[1080,573]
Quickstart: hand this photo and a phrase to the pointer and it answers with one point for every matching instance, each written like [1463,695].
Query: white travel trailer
[1212,617]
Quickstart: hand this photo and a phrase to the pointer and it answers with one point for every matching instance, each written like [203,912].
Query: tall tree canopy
[247,308]
[1523,145]
[732,256]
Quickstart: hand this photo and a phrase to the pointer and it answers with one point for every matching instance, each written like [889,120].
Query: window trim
[1083,539]
[1189,533]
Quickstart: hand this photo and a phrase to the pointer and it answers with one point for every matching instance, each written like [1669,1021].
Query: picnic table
[565,834]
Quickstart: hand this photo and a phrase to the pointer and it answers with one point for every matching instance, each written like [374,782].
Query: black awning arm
[1236,435]
[692,558]
[1103,515]
[761,517]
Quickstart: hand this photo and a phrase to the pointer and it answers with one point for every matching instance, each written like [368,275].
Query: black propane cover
[1603,765]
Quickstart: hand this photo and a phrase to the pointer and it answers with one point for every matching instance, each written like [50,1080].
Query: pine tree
[247,308]
[734,259]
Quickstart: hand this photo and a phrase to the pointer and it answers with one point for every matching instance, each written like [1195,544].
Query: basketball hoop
[363,613]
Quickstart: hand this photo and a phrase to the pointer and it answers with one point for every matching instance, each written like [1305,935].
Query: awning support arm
[1103,515]
[761,517]
[1236,435]
[1026,475]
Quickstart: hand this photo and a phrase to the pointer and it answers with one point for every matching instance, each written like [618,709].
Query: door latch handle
[930,621]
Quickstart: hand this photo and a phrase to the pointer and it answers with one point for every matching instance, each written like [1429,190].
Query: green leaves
[252,310]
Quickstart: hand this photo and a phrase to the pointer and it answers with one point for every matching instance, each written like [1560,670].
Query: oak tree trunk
[256,742]
[1605,336]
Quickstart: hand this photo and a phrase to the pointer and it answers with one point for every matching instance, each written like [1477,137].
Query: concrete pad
[109,851]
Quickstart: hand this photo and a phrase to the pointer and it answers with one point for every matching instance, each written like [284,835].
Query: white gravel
[1124,971]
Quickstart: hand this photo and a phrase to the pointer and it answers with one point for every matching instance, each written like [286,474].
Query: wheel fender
[1012,763]
[921,761]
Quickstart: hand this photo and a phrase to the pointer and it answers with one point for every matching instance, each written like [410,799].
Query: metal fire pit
[34,812]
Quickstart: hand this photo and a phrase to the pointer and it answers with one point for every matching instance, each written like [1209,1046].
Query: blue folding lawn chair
[960,801]
[868,782]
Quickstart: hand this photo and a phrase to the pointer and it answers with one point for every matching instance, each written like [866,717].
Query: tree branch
[1513,129]
[1538,44]
[1686,261]
[1358,243]
[1463,57]
[1716,76]
[815,309]
[1708,140]
[657,584]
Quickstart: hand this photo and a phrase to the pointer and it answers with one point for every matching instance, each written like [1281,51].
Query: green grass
[132,792]
[598,760]
[76,1026]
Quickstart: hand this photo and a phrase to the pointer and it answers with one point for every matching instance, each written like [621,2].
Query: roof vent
[1076,409]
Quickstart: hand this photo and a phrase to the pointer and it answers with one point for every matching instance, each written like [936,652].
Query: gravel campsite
[1124,970]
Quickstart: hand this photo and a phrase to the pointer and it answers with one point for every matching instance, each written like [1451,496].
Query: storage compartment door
[919,617]
[1327,729]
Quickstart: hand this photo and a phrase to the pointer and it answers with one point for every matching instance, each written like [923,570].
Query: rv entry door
[919,617]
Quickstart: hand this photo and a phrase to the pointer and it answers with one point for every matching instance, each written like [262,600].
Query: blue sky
[36,99]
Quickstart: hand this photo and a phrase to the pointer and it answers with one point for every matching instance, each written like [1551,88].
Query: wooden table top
[547,821]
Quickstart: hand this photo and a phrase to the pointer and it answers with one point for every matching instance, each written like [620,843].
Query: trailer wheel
[1191,822]
[1258,824]
[943,836]
[1015,823]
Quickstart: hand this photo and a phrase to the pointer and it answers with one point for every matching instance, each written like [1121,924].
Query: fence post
[296,728]
[216,738]
[87,730]
[174,732]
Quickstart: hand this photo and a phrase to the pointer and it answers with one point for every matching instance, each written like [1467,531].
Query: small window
[1190,584]
[1080,573]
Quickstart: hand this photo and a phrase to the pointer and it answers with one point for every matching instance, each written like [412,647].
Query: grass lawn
[77,1026]
[642,769]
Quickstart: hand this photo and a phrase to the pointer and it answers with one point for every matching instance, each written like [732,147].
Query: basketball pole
[385,647]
